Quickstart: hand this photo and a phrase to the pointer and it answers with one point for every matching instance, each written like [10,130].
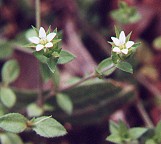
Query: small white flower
[43,41]
[121,46]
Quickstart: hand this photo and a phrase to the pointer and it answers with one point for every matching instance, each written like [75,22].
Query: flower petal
[42,33]
[129,44]
[122,38]
[48,45]
[116,41]
[39,47]
[116,49]
[125,51]
[50,36]
[34,40]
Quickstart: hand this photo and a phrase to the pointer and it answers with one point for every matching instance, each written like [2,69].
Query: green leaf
[114,138]
[150,141]
[48,75]
[48,107]
[114,127]
[10,138]
[56,78]
[39,55]
[13,122]
[123,5]
[5,49]
[52,62]
[64,102]
[65,57]
[125,66]
[2,109]
[30,33]
[104,65]
[123,129]
[93,102]
[48,127]
[135,133]
[115,57]
[10,71]
[158,132]
[157,43]
[34,110]
[8,97]
[45,72]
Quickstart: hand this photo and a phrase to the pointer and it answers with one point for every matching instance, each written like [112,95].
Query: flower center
[43,41]
[122,46]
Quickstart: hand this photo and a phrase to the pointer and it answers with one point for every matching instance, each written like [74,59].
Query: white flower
[43,41]
[121,46]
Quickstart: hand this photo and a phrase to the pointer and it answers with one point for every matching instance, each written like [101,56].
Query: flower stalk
[38,15]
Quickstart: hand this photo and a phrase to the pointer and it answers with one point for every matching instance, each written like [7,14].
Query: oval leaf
[39,55]
[104,65]
[125,66]
[135,133]
[8,97]
[10,138]
[64,103]
[48,127]
[34,110]
[10,71]
[13,122]
[65,57]
[52,62]
[5,49]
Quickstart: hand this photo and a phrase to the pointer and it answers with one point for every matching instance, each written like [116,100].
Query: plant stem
[38,19]
[93,75]
[144,114]
[79,82]
[40,99]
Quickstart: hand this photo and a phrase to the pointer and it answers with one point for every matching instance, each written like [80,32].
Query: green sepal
[35,29]
[128,36]
[117,32]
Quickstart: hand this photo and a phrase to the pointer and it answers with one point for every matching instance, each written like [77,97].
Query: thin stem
[144,115]
[79,82]
[38,19]
[93,75]
[40,99]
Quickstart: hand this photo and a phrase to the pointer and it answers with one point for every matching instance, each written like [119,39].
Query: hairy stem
[40,100]
[38,19]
